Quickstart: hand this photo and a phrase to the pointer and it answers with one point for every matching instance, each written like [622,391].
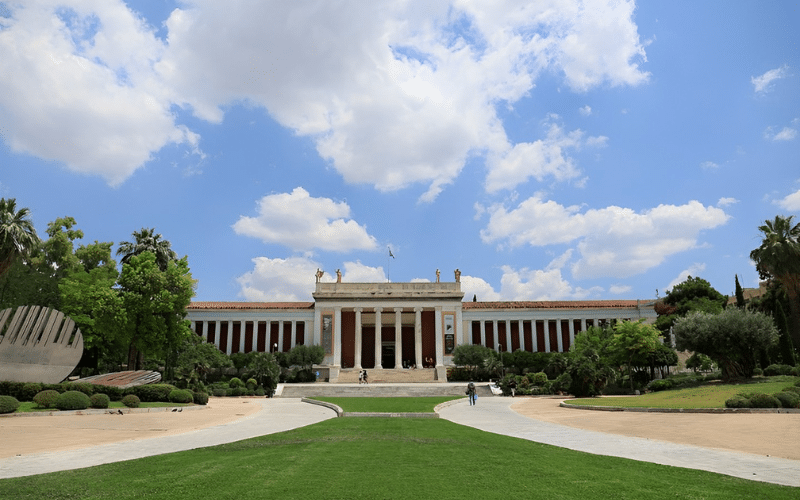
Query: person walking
[471,394]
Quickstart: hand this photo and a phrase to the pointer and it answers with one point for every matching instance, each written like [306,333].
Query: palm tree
[778,257]
[147,241]
[17,235]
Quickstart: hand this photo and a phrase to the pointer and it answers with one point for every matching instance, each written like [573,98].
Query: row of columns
[398,337]
[520,332]
[229,347]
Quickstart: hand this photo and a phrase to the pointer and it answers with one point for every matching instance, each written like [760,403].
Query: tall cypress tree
[739,293]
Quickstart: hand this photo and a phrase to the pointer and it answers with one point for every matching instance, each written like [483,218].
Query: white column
[192,326]
[357,362]
[398,338]
[508,335]
[294,334]
[280,336]
[229,347]
[242,329]
[268,339]
[217,333]
[583,324]
[559,337]
[418,336]
[534,336]
[439,346]
[378,340]
[337,336]
[483,334]
[547,335]
[255,336]
[495,334]
[521,332]
[571,332]
[205,330]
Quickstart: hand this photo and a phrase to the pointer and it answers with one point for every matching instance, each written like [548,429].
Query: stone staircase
[395,390]
[420,376]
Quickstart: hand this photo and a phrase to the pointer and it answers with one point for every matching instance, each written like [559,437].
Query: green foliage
[72,400]
[99,400]
[181,396]
[739,292]
[737,401]
[305,356]
[114,393]
[8,404]
[46,398]
[692,295]
[17,235]
[562,383]
[131,401]
[235,382]
[786,347]
[251,384]
[83,387]
[699,361]
[149,393]
[471,356]
[763,401]
[660,385]
[29,390]
[773,370]
[633,340]
[788,399]
[197,359]
[538,378]
[731,338]
[200,398]
[794,389]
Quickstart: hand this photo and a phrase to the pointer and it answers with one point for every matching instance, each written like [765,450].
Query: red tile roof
[556,304]
[194,306]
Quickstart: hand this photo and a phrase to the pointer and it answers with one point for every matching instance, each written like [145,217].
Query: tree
[732,338]
[17,235]
[198,358]
[739,292]
[472,356]
[305,356]
[778,258]
[693,294]
[155,304]
[590,365]
[146,240]
[784,341]
[632,340]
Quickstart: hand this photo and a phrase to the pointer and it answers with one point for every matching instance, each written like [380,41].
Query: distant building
[420,324]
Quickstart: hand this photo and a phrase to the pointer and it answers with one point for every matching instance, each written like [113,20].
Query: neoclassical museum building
[402,325]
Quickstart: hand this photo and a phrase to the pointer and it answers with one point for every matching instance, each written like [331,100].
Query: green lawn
[706,396]
[388,405]
[385,458]
[30,406]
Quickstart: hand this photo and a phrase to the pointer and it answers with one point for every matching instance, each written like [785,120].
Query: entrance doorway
[387,355]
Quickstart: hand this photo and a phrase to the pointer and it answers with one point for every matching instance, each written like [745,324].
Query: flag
[391,254]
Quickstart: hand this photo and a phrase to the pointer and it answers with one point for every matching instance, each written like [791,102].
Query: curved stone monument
[38,344]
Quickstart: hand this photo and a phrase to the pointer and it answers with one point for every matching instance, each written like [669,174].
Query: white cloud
[611,241]
[619,289]
[585,111]
[724,202]
[301,222]
[693,270]
[790,202]
[708,165]
[540,159]
[356,272]
[785,134]
[473,286]
[763,83]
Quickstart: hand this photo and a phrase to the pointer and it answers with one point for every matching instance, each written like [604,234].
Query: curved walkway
[495,415]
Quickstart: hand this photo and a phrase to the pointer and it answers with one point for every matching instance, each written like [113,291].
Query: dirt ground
[764,434]
[35,434]
[773,434]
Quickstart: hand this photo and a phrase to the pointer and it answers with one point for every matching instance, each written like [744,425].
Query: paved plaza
[133,436]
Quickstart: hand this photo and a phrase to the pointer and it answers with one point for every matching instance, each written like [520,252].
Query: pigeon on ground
[174,410]
[120,412]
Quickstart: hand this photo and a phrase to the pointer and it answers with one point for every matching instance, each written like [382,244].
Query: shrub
[259,391]
[764,401]
[13,389]
[46,398]
[200,398]
[30,390]
[773,370]
[792,388]
[181,396]
[737,401]
[757,372]
[131,401]
[99,400]
[562,383]
[8,404]
[237,391]
[252,384]
[795,371]
[151,393]
[235,383]
[72,400]
[83,387]
[538,378]
[788,399]
[113,392]
[660,385]
[219,393]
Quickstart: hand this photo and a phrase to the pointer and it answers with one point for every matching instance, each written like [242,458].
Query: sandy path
[28,435]
[773,434]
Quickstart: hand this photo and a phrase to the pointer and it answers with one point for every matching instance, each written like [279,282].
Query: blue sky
[549,150]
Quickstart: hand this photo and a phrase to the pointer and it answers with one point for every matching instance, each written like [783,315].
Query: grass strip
[387,405]
[712,395]
[386,458]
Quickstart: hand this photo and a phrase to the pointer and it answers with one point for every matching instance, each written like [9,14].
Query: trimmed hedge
[131,401]
[200,398]
[181,396]
[113,392]
[773,370]
[737,401]
[8,404]
[83,387]
[73,400]
[29,390]
[46,398]
[788,399]
[151,393]
[764,401]
[99,401]
[235,382]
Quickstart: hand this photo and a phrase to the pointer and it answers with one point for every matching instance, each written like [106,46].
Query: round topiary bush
[181,396]
[131,401]
[30,390]
[200,398]
[660,385]
[46,399]
[99,400]
[83,387]
[252,384]
[764,401]
[153,392]
[237,391]
[737,401]
[235,382]
[773,370]
[793,389]
[788,399]
[72,400]
[8,404]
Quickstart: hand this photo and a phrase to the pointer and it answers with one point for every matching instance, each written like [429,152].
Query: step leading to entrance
[397,390]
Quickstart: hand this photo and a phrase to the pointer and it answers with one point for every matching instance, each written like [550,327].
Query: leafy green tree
[197,358]
[778,258]
[471,356]
[264,368]
[784,341]
[732,338]
[694,294]
[699,361]
[590,364]
[632,340]
[739,292]
[305,356]
[147,240]
[155,304]
[17,234]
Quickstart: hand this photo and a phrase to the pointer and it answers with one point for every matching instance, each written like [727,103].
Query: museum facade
[402,325]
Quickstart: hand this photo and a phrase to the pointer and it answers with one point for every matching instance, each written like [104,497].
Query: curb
[681,410]
[102,411]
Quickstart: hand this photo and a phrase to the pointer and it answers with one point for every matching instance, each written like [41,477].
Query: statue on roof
[338,275]
[437,275]
[458,276]
[319,274]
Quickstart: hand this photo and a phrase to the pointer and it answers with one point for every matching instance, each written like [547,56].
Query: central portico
[388,325]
